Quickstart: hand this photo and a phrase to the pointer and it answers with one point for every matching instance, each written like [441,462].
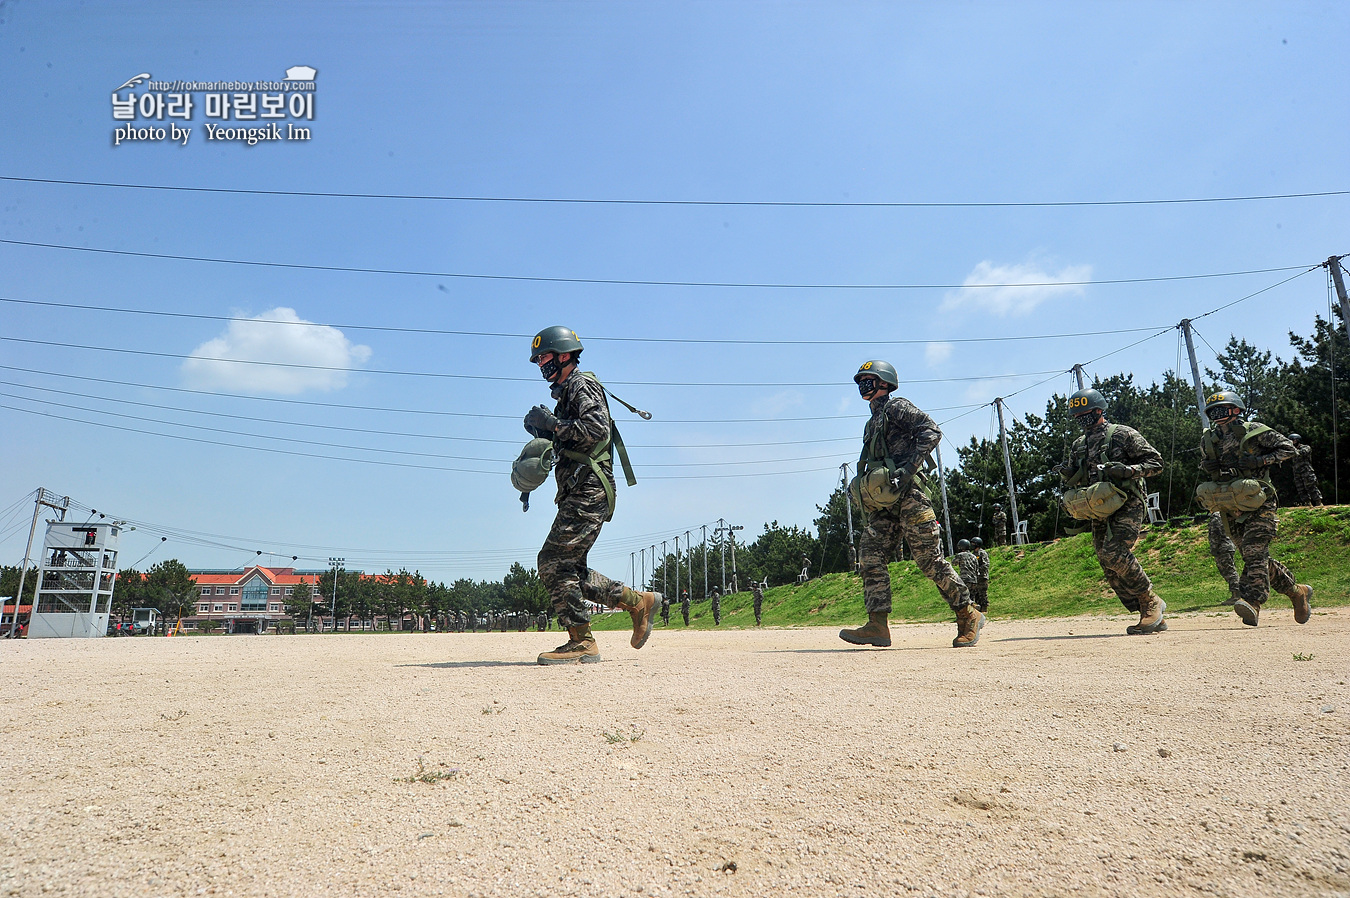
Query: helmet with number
[1223,398]
[554,339]
[1294,438]
[1085,401]
[882,371]
[963,545]
[977,543]
[530,470]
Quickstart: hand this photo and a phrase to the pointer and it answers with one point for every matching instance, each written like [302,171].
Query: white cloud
[937,353]
[222,363]
[1012,299]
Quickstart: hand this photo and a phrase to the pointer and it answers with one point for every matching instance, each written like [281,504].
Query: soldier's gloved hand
[904,476]
[1210,466]
[541,422]
[1252,462]
[1119,471]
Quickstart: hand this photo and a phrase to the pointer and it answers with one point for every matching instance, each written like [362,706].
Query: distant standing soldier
[757,591]
[684,606]
[897,442]
[979,594]
[665,610]
[1305,478]
[583,434]
[1119,455]
[1000,526]
[1236,450]
[967,565]
[717,606]
[1225,553]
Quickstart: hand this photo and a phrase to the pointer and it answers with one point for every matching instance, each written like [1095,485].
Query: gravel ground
[1059,757]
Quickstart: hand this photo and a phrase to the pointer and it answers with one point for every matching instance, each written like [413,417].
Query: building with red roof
[249,602]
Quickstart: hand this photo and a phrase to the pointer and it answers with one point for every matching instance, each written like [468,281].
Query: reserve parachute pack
[1096,501]
[1240,495]
[531,468]
[874,489]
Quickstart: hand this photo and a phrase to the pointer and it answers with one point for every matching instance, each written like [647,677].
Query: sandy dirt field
[1058,757]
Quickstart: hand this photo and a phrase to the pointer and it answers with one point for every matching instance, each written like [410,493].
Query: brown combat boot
[1151,610]
[969,623]
[1233,596]
[579,647]
[1248,611]
[641,607]
[877,631]
[1302,599]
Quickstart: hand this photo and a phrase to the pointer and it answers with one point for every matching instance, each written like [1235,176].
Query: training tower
[75,581]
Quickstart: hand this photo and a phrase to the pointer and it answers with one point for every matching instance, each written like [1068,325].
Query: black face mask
[867,386]
[550,369]
[1092,418]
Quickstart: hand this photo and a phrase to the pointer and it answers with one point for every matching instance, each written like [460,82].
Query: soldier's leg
[562,560]
[1224,552]
[1115,554]
[924,536]
[1254,544]
[1281,579]
[879,541]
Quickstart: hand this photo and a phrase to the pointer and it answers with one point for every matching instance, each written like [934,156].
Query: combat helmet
[555,339]
[977,543]
[530,470]
[876,368]
[963,545]
[1222,398]
[1084,401]
[1294,437]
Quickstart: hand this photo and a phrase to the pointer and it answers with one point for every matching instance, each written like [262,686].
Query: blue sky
[742,105]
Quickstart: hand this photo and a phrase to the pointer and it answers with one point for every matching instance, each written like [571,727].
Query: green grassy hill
[1057,579]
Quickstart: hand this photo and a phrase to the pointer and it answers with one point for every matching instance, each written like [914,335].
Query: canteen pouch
[1235,497]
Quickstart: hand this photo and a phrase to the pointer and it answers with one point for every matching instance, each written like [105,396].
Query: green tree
[300,603]
[524,592]
[170,588]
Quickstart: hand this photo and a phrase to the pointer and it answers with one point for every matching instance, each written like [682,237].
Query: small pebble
[1119,746]
[1164,752]
[1327,709]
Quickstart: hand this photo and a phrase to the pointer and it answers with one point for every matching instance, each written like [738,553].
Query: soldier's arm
[591,424]
[905,417]
[1275,447]
[1143,457]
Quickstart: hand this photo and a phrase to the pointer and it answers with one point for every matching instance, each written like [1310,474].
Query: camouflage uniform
[909,436]
[717,607]
[967,565]
[979,593]
[1114,538]
[1305,478]
[1254,530]
[1000,527]
[758,592]
[583,422]
[684,606]
[665,609]
[1223,550]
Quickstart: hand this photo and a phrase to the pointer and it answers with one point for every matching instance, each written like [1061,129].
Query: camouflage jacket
[1128,446]
[968,566]
[1270,446]
[583,423]
[983,557]
[908,435]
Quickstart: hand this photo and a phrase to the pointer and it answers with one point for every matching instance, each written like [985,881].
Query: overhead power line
[631,282]
[597,201]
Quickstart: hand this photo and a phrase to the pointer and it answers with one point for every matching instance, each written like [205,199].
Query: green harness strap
[600,453]
[1211,452]
[873,451]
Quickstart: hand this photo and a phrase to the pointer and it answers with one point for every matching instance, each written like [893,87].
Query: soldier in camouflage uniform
[757,592]
[684,606]
[1000,526]
[581,430]
[967,565]
[1305,478]
[1126,459]
[906,436]
[979,593]
[1233,449]
[665,610]
[1224,552]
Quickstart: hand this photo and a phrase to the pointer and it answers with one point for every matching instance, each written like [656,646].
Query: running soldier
[967,565]
[582,433]
[1000,526]
[1119,455]
[1305,478]
[757,591]
[1224,552]
[897,442]
[979,594]
[1235,450]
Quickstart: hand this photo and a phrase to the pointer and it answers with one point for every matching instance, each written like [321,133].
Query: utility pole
[1078,373]
[735,587]
[946,512]
[665,587]
[1185,326]
[689,559]
[1007,467]
[49,500]
[722,546]
[848,509]
[1333,265]
[704,528]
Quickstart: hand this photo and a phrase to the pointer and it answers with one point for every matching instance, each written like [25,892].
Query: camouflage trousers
[979,595]
[1224,552]
[562,560]
[1260,572]
[1114,540]
[1305,481]
[913,521]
